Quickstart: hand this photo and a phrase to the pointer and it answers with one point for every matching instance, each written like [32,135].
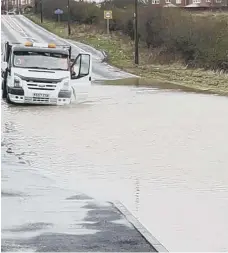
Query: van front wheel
[8,99]
[4,89]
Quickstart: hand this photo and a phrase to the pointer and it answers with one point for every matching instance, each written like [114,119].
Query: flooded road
[163,154]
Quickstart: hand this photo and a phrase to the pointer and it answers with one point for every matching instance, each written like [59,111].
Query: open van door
[5,68]
[81,71]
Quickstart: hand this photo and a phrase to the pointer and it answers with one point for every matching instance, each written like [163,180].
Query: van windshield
[40,60]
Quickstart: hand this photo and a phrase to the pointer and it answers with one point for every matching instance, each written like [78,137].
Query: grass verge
[120,54]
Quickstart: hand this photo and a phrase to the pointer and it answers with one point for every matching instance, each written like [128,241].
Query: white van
[35,73]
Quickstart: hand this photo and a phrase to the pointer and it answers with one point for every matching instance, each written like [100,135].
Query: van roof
[40,49]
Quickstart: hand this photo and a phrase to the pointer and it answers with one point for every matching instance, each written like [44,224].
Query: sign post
[41,11]
[107,16]
[68,17]
[136,33]
[58,12]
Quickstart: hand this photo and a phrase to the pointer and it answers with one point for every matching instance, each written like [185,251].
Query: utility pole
[20,7]
[136,34]
[7,6]
[41,11]
[68,15]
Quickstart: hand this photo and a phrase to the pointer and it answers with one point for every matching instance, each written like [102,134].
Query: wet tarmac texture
[43,218]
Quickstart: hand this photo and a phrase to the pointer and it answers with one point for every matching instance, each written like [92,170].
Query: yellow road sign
[107,14]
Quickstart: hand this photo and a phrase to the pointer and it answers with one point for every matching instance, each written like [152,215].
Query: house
[16,3]
[190,3]
[206,3]
[169,3]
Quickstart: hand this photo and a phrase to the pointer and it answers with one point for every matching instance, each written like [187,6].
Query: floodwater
[163,154]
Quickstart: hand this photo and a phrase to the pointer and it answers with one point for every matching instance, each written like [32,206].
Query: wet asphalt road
[39,216]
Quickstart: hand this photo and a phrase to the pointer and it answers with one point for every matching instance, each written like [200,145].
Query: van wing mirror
[71,61]
[81,66]
[4,66]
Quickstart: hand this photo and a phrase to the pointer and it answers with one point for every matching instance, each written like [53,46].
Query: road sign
[107,14]
[58,12]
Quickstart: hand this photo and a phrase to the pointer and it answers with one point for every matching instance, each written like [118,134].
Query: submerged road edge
[139,227]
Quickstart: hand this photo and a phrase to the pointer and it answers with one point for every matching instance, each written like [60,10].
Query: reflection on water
[162,154]
[156,84]
[137,195]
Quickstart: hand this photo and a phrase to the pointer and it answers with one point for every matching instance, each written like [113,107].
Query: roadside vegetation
[175,46]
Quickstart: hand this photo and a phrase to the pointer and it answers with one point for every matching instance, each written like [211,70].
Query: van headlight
[17,82]
[66,84]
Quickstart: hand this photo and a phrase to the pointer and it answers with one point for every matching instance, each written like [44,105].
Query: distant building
[14,4]
[169,3]
[190,3]
[207,3]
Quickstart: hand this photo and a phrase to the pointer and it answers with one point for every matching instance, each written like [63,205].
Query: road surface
[161,153]
[39,216]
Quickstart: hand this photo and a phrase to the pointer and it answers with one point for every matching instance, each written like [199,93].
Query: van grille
[35,86]
[41,80]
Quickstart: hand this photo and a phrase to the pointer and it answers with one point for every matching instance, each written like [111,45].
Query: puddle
[142,82]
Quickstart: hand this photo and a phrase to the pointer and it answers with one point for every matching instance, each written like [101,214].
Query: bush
[201,41]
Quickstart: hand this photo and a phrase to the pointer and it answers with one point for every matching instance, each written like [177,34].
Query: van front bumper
[20,99]
[28,96]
